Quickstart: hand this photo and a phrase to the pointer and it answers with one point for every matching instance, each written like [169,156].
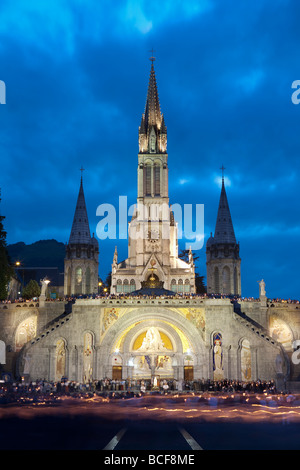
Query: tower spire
[80,233]
[152,131]
[152,109]
[224,231]
[222,252]
[82,252]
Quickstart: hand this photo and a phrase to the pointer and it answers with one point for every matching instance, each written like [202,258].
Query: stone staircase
[260,331]
[255,327]
[53,325]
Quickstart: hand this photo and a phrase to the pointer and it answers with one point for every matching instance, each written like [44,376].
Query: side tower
[223,262]
[82,253]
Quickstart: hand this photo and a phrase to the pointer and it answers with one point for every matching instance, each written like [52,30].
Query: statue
[152,341]
[152,140]
[42,296]
[262,290]
[44,283]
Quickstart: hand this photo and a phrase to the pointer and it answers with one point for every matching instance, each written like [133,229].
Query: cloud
[76,76]
[144,18]
[251,81]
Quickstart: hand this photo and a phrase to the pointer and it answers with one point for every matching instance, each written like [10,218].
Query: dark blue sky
[76,76]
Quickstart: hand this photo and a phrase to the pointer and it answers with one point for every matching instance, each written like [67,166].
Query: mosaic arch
[26,331]
[280,331]
[144,326]
[151,348]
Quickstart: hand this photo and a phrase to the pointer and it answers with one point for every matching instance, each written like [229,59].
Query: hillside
[43,253]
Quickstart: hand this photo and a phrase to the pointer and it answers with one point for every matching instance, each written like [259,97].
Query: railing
[152,301]
[11,306]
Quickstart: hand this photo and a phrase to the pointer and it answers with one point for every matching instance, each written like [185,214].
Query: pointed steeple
[224,231]
[223,262]
[152,113]
[152,120]
[80,233]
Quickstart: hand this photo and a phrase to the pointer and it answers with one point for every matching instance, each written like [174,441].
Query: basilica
[153,325]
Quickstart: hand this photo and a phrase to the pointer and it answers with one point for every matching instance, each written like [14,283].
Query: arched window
[180,285]
[69,282]
[246,360]
[119,286]
[216,281]
[226,280]
[132,285]
[187,287]
[88,281]
[147,180]
[78,280]
[156,179]
[125,286]
[235,280]
[173,285]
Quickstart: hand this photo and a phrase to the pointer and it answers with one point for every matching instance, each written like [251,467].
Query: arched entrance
[151,343]
[152,353]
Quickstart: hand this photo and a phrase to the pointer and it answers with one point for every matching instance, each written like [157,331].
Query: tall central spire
[153,116]
[152,131]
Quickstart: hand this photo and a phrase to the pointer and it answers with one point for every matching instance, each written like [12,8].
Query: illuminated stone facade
[164,337]
[152,338]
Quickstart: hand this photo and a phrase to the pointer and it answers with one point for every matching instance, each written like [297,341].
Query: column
[52,363]
[254,363]
[79,364]
[227,365]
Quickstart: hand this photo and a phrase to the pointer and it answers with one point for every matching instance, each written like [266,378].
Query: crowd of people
[20,392]
[123,296]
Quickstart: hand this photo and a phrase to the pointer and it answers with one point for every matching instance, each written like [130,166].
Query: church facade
[170,334]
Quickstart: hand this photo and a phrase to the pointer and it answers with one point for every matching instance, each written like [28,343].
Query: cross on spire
[82,170]
[222,168]
[152,58]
